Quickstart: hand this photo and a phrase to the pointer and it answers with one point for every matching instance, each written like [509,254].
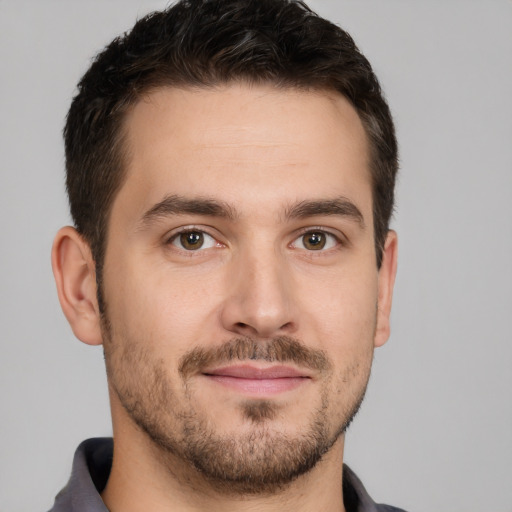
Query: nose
[260,301]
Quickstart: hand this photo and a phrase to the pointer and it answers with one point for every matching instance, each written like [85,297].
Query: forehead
[238,141]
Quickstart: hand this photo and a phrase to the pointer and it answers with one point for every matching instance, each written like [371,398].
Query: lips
[259,381]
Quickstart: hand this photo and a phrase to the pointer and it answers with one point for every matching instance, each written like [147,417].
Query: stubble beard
[260,460]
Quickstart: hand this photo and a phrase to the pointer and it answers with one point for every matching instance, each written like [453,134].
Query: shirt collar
[91,469]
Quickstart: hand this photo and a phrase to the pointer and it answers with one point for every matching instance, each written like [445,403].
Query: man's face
[240,279]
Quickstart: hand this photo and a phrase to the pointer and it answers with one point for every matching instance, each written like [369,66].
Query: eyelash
[338,241]
[189,230]
[317,229]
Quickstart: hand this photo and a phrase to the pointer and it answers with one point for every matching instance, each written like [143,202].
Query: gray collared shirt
[91,468]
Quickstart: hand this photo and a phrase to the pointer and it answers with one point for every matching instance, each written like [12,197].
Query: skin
[259,152]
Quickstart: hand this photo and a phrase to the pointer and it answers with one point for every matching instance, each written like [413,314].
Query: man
[230,171]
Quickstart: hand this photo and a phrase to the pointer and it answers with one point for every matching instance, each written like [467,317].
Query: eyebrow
[340,206]
[179,205]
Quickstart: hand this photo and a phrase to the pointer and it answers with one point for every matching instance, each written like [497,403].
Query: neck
[145,478]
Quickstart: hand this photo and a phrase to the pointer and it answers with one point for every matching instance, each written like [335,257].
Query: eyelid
[171,236]
[339,237]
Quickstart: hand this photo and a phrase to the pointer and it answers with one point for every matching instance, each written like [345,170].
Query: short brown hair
[205,43]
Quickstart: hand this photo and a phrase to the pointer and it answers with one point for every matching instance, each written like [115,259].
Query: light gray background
[435,432]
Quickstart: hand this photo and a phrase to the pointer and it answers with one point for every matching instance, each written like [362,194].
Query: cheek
[167,309]
[343,307]
[342,320]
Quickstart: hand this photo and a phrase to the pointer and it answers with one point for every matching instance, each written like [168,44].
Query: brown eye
[319,241]
[314,241]
[192,240]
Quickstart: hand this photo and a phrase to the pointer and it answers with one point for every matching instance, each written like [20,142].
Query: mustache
[280,349]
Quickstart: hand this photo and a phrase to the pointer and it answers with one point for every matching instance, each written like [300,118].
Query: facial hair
[260,460]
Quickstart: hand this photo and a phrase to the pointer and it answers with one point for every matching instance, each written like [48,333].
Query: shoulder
[388,508]
[89,474]
[356,497]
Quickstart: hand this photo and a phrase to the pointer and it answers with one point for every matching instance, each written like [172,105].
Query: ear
[75,275]
[387,273]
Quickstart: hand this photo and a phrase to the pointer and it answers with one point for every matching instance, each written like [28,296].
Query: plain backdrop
[435,432]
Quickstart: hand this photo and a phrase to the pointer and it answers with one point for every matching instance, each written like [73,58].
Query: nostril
[244,328]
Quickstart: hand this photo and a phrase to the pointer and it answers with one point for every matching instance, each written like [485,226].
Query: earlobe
[74,272]
[387,273]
